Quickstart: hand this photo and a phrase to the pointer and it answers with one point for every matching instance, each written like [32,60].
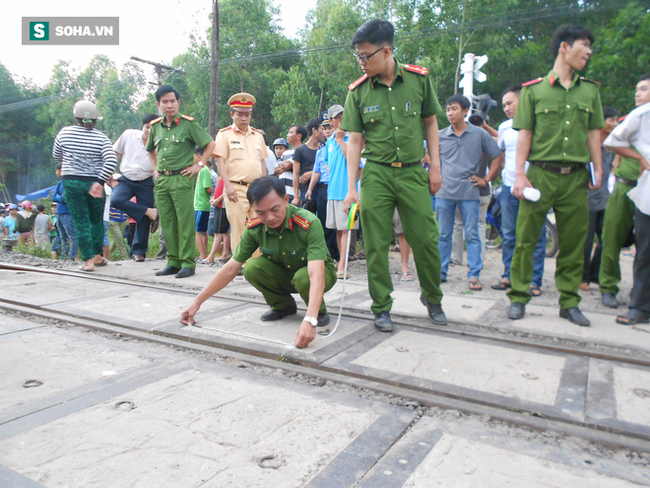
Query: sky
[142,23]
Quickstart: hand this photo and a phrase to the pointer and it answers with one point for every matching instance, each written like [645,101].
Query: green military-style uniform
[175,145]
[617,225]
[282,268]
[560,120]
[390,119]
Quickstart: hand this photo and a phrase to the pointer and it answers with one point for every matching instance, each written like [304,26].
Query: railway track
[347,358]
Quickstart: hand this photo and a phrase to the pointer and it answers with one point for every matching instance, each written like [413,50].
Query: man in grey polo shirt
[462,146]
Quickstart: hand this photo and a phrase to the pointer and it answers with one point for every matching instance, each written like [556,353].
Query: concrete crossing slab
[170,432]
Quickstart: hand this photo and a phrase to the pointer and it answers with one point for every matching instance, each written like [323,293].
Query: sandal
[534,291]
[340,274]
[86,268]
[475,284]
[633,317]
[407,276]
[502,285]
[224,260]
[103,262]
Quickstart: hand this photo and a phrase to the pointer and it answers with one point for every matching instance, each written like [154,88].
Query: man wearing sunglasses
[385,109]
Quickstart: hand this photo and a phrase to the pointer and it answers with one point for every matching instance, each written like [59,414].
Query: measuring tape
[353,216]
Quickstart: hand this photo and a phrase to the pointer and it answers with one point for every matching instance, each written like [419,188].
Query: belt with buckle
[625,181]
[562,168]
[172,172]
[242,183]
[398,164]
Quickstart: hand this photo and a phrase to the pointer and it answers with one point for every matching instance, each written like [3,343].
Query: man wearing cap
[240,152]
[386,109]
[171,145]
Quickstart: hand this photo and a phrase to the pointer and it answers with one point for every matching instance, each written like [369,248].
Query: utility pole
[214,71]
[161,70]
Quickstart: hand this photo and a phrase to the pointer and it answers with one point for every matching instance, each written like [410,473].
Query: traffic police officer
[385,109]
[294,259]
[240,152]
[559,120]
[171,144]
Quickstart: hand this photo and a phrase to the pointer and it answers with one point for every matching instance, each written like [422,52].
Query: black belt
[397,164]
[242,183]
[625,181]
[172,172]
[321,185]
[565,169]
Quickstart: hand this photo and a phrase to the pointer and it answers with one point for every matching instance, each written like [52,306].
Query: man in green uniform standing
[619,214]
[171,144]
[385,109]
[559,120]
[294,260]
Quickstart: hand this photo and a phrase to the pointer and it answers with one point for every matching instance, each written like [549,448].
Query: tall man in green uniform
[294,260]
[619,214]
[171,144]
[559,120]
[385,108]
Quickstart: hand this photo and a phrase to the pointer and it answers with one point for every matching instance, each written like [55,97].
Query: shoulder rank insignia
[155,121]
[420,70]
[622,119]
[301,221]
[582,78]
[532,82]
[225,128]
[187,117]
[352,86]
[253,222]
[257,130]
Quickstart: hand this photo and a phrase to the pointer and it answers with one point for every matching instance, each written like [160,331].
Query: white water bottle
[532,194]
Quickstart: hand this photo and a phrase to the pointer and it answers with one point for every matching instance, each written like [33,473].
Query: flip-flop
[475,285]
[633,317]
[340,274]
[86,269]
[407,276]
[502,285]
[103,262]
[534,291]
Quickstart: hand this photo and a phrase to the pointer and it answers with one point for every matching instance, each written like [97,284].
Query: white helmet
[84,109]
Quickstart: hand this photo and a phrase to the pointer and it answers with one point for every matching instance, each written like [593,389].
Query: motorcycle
[494,236]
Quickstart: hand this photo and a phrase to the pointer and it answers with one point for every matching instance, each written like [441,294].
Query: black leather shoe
[168,270]
[516,311]
[435,312]
[575,315]
[609,300]
[323,319]
[383,323]
[272,315]
[185,273]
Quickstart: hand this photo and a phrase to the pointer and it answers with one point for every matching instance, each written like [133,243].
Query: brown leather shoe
[137,258]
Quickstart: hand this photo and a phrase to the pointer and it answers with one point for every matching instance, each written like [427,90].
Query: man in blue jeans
[509,203]
[462,146]
[64,225]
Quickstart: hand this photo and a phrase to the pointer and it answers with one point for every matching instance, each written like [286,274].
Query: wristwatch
[312,320]
[200,163]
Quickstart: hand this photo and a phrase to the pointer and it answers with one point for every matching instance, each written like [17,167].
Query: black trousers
[592,262]
[641,289]
[121,200]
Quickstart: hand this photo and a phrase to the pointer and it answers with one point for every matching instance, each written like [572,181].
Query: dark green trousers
[278,283]
[175,202]
[383,188]
[619,220]
[567,194]
[87,215]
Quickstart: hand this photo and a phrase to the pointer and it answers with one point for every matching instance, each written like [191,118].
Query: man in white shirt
[136,181]
[631,139]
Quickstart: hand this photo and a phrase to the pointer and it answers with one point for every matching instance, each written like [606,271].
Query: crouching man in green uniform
[559,120]
[294,260]
[386,109]
[171,145]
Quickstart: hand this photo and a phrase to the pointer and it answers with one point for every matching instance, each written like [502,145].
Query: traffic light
[481,105]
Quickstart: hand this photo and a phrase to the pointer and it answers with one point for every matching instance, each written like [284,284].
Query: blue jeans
[446,210]
[509,212]
[68,236]
[121,200]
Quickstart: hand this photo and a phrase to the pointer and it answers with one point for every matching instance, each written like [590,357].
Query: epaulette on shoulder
[226,128]
[155,121]
[532,82]
[253,222]
[622,119]
[352,86]
[257,130]
[301,221]
[420,70]
[187,117]
[582,78]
